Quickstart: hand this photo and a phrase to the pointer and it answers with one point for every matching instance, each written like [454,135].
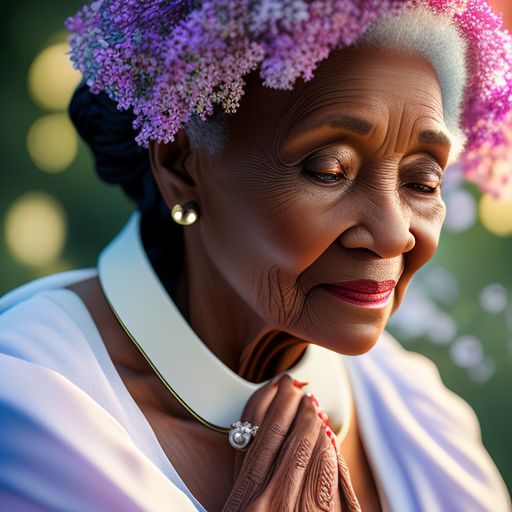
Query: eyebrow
[434,137]
[362,127]
[354,124]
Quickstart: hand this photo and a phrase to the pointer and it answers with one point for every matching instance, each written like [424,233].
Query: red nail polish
[331,436]
[299,384]
[324,418]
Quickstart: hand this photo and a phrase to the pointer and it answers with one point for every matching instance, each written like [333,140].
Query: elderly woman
[232,355]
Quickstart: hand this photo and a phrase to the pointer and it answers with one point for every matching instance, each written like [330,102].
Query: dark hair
[120,160]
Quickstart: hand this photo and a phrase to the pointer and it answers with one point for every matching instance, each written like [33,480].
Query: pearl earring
[184,216]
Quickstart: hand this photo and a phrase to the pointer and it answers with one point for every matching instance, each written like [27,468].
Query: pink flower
[168,60]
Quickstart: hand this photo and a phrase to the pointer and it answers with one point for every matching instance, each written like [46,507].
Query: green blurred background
[55,215]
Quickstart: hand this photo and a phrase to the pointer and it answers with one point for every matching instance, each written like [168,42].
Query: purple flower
[168,60]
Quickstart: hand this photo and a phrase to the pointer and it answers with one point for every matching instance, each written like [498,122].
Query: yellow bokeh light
[52,79]
[52,143]
[35,229]
[496,215]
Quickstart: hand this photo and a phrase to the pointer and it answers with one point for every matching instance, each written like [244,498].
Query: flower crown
[168,60]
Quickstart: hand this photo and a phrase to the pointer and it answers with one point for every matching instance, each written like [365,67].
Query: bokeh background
[55,215]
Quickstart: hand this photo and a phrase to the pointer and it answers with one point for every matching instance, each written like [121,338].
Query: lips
[364,292]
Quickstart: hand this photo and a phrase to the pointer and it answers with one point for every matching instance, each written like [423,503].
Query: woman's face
[333,183]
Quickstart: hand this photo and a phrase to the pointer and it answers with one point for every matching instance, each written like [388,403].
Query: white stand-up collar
[210,390]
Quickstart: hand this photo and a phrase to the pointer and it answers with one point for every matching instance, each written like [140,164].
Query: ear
[171,167]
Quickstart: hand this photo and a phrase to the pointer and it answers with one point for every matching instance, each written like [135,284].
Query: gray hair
[413,31]
[208,136]
[420,31]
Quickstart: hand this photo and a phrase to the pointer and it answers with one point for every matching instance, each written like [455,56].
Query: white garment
[73,439]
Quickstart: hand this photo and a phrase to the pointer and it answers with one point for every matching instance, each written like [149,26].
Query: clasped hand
[292,464]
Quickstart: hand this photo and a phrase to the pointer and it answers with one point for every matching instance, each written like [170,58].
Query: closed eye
[325,177]
[423,175]
[325,169]
[422,188]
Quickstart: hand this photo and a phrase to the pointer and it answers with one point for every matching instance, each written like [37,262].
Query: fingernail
[331,436]
[313,399]
[299,384]
[324,418]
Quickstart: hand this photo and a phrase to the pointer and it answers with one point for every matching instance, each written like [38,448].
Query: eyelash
[316,176]
[423,189]
[325,178]
[331,178]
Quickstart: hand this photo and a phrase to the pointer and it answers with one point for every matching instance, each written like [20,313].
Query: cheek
[426,230]
[261,234]
[271,217]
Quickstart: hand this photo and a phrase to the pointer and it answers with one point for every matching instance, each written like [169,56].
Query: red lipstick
[364,292]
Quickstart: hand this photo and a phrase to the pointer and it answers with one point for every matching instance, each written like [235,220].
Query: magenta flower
[168,60]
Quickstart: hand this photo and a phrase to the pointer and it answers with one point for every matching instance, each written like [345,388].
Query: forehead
[389,94]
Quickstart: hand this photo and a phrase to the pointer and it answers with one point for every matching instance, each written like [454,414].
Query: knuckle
[327,482]
[263,451]
[302,454]
[239,497]
[277,429]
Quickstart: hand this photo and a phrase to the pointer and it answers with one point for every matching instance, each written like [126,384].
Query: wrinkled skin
[283,211]
[270,231]
[293,447]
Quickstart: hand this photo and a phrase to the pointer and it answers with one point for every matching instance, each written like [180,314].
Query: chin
[350,339]
[345,328]
[358,339]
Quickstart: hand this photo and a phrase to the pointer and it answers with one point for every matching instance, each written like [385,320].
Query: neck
[226,323]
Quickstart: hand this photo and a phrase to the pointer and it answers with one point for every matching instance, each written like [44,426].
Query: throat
[276,353]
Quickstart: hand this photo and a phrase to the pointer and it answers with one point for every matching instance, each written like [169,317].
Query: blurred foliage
[95,212]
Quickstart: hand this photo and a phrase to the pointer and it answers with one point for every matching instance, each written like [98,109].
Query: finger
[257,406]
[320,489]
[274,424]
[348,497]
[284,490]
[254,412]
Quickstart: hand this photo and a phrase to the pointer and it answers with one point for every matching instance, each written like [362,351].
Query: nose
[381,226]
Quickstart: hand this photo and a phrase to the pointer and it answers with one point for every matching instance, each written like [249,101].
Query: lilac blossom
[169,60]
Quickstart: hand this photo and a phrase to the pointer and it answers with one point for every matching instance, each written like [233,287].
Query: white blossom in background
[494,298]
[443,329]
[467,351]
[453,178]
[461,211]
[424,315]
[441,285]
[418,316]
[484,371]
